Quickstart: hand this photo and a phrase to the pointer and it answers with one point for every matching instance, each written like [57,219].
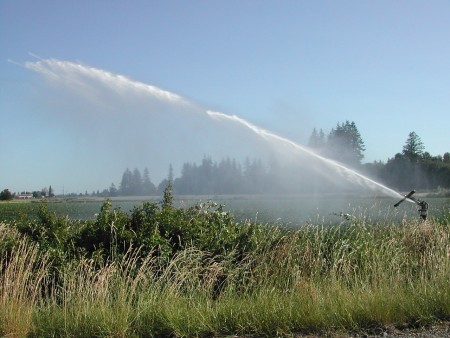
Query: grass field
[286,210]
[357,276]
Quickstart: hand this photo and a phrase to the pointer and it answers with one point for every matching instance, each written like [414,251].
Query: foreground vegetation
[164,271]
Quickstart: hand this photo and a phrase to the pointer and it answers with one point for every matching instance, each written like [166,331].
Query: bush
[166,271]
[5,195]
[157,229]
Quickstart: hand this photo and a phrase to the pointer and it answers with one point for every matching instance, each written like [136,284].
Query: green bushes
[163,271]
[156,229]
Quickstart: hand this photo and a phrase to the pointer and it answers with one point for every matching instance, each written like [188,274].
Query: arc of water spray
[53,69]
[269,135]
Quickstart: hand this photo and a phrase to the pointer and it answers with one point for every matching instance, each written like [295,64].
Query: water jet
[108,91]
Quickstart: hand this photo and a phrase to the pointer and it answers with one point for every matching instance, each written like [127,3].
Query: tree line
[6,195]
[343,144]
[226,177]
[412,168]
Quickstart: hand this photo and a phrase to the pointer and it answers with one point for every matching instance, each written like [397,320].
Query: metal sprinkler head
[406,196]
[423,209]
[423,206]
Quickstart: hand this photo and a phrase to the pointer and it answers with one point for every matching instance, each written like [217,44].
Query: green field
[176,268]
[287,210]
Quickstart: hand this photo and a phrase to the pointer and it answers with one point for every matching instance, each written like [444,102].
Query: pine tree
[126,183]
[136,182]
[317,139]
[170,175]
[148,188]
[112,190]
[413,148]
[313,139]
[345,144]
[166,182]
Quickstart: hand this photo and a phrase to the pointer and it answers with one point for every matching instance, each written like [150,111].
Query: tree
[5,195]
[112,190]
[317,139]
[398,173]
[37,194]
[345,144]
[170,175]
[167,201]
[413,148]
[136,182]
[126,183]
[228,177]
[148,188]
[446,157]
[254,176]
[186,183]
[165,183]
[206,176]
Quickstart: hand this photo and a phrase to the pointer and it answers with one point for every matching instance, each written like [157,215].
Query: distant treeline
[412,168]
[402,172]
[225,177]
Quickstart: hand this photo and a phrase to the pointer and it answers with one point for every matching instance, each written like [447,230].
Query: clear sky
[286,66]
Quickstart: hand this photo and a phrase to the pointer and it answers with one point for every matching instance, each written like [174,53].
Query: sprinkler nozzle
[423,206]
[406,196]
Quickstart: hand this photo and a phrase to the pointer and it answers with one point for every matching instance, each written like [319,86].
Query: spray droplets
[152,123]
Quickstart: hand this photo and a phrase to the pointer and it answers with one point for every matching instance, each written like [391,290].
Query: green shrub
[157,229]
[166,271]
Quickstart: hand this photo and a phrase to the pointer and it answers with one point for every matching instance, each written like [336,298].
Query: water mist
[110,97]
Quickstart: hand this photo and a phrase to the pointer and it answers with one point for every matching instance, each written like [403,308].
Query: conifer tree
[413,148]
[148,188]
[345,144]
[126,183]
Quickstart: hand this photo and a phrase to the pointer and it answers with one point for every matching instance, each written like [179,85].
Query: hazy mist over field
[123,123]
[78,125]
[110,122]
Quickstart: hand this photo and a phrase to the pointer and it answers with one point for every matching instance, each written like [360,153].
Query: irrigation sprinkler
[423,206]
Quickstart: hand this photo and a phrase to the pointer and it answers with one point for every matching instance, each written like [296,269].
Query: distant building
[24,196]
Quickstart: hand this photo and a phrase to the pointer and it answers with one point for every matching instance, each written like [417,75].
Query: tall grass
[315,279]
[22,274]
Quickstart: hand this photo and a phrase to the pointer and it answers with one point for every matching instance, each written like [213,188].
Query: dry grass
[315,279]
[22,275]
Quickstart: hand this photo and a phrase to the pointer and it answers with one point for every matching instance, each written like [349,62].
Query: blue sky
[286,66]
